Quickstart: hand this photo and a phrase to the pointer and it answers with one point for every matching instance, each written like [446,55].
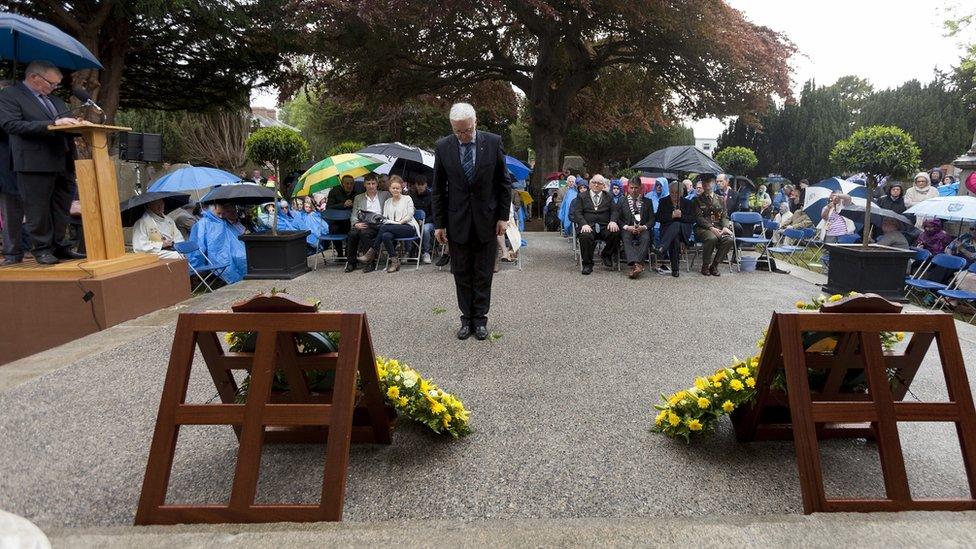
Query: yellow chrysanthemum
[695,425]
[701,383]
[728,406]
[900,336]
[703,403]
[801,304]
[742,371]
[446,420]
[717,385]
[402,401]
[659,418]
[229,337]
[736,385]
[437,408]
[393,392]
[835,297]
[751,382]
[425,386]
[673,419]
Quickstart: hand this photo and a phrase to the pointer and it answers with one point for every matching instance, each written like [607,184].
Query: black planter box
[876,269]
[275,257]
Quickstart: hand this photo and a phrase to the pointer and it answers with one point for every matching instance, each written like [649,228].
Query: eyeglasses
[54,85]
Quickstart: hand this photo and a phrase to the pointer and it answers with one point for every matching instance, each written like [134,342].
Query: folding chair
[950,262]
[848,239]
[203,274]
[419,215]
[330,215]
[752,219]
[956,293]
[796,235]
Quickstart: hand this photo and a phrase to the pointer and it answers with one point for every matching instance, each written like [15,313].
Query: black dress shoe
[607,262]
[46,258]
[444,259]
[351,266]
[464,332]
[587,269]
[674,273]
[370,267]
[67,253]
[481,333]
[10,261]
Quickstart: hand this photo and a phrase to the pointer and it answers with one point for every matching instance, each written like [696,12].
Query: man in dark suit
[11,205]
[471,201]
[43,160]
[634,214]
[591,213]
[724,192]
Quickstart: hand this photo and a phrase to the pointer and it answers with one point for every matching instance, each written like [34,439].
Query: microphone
[85,98]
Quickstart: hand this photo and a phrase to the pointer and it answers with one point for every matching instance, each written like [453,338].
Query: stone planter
[875,269]
[275,257]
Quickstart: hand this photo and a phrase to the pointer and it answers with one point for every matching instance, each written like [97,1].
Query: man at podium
[43,160]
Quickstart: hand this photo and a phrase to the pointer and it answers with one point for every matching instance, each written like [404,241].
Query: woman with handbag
[399,223]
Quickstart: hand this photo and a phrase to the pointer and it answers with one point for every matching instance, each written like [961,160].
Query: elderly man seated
[591,212]
[634,214]
[155,233]
[892,235]
[216,234]
[712,228]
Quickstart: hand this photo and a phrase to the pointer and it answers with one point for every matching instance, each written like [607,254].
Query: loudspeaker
[141,147]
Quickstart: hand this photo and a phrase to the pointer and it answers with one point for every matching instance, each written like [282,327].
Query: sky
[887,42]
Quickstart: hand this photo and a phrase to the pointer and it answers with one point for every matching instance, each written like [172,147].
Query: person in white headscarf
[155,233]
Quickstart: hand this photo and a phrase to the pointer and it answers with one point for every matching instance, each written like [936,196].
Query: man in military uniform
[712,228]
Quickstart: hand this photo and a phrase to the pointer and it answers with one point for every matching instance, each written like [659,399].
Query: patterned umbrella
[327,173]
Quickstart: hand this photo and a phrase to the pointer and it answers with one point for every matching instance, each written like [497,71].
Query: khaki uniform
[709,213]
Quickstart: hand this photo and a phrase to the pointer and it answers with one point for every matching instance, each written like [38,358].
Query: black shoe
[46,258]
[351,266]
[444,259]
[674,273]
[68,253]
[370,267]
[464,332]
[607,262]
[481,333]
[587,269]
[10,261]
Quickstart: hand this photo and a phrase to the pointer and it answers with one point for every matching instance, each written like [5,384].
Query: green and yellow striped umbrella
[327,173]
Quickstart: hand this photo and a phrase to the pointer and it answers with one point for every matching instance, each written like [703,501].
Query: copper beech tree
[690,58]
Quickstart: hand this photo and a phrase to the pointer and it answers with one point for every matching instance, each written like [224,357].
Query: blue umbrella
[519,170]
[192,178]
[24,39]
[816,195]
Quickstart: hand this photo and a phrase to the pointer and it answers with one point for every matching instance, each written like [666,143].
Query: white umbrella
[554,184]
[953,208]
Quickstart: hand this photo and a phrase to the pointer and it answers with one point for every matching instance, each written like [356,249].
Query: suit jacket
[665,208]
[8,179]
[34,148]
[473,209]
[583,212]
[623,216]
[730,201]
[359,203]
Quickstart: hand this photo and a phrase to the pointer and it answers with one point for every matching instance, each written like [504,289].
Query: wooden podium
[52,304]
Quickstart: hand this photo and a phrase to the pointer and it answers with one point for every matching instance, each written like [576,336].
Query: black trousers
[354,239]
[340,227]
[587,243]
[671,243]
[473,265]
[47,201]
[12,210]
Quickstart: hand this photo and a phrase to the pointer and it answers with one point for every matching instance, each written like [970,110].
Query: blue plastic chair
[957,294]
[203,274]
[330,216]
[788,250]
[419,215]
[922,256]
[946,261]
[752,219]
[848,239]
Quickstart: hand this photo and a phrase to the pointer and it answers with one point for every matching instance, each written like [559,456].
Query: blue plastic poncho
[571,194]
[219,241]
[653,195]
[314,224]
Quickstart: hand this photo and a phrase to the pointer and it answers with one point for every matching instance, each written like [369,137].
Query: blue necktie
[467,161]
[48,105]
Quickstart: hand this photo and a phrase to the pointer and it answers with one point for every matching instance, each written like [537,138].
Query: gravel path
[560,407]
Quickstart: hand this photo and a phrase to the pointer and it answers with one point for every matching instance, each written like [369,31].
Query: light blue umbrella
[24,39]
[953,208]
[519,170]
[193,178]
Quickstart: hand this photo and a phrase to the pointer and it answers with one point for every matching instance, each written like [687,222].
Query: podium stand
[54,304]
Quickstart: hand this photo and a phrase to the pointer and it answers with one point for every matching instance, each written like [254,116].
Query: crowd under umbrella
[680,159]
[855,213]
[816,196]
[193,178]
[241,194]
[949,208]
[133,208]
[327,173]
[23,39]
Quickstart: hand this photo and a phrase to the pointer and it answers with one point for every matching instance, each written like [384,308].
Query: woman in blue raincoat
[216,235]
[310,219]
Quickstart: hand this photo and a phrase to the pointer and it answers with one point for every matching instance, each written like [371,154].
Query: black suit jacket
[731,201]
[34,148]
[8,179]
[583,212]
[470,210]
[623,216]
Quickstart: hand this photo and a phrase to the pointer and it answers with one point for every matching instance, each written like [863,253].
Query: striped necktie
[467,161]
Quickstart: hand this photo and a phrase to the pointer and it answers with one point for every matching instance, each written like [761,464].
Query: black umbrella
[741,180]
[680,158]
[133,208]
[399,151]
[244,194]
[878,215]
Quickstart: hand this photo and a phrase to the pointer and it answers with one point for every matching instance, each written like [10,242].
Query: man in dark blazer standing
[43,160]
[472,197]
[591,212]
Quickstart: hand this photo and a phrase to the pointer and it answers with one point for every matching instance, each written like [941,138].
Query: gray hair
[722,176]
[462,111]
[40,67]
[674,187]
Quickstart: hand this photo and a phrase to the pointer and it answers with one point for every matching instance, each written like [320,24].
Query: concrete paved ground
[561,406]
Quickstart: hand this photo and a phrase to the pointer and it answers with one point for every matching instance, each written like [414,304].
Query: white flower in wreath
[409,379]
[434,393]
